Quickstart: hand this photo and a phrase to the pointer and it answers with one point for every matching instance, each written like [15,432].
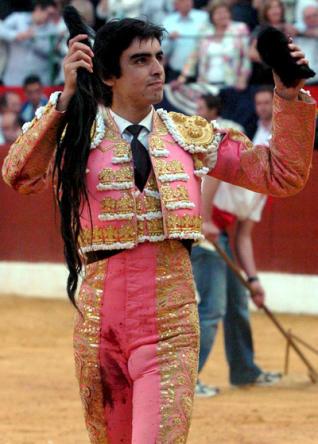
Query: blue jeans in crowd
[224,298]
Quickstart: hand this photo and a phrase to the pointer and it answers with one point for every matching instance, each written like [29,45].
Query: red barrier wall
[285,240]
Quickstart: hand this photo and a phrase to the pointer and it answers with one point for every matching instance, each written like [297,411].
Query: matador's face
[142,75]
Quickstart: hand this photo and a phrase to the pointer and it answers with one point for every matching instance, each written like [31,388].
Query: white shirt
[123,124]
[189,29]
[28,56]
[262,135]
[244,204]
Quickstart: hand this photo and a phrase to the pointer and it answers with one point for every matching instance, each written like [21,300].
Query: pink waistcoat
[122,217]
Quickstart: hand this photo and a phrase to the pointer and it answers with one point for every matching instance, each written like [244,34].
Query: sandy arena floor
[40,402]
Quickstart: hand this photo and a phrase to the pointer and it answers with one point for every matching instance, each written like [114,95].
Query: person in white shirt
[184,27]
[156,11]
[108,9]
[29,36]
[263,101]
[221,295]
[308,38]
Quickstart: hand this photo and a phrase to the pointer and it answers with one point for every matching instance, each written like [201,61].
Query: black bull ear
[272,46]
[76,25]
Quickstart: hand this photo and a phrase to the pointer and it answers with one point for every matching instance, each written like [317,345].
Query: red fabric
[222,219]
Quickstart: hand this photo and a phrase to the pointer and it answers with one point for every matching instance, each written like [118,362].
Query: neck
[132,114]
[220,29]
[266,122]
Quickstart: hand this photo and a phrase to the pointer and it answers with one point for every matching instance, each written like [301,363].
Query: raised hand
[291,93]
[79,56]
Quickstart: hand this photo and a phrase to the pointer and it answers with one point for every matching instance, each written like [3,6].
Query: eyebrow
[144,54]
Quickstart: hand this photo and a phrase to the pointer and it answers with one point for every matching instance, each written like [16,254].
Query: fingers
[70,67]
[75,45]
[296,52]
[80,55]
[77,38]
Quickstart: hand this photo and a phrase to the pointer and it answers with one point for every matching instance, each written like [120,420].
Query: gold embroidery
[122,149]
[152,227]
[123,205]
[159,128]
[183,224]
[194,130]
[86,351]
[169,194]
[108,235]
[169,167]
[198,163]
[24,146]
[156,143]
[152,184]
[109,175]
[237,136]
[177,350]
[148,204]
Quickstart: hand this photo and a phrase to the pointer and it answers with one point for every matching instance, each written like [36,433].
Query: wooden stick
[305,344]
[313,375]
[287,355]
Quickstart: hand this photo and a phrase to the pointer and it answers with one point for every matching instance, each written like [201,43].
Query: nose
[157,68]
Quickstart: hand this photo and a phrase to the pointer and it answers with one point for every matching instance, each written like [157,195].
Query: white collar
[123,123]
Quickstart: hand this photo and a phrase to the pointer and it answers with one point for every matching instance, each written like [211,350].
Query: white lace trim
[54,97]
[26,126]
[115,186]
[99,130]
[173,177]
[123,159]
[183,235]
[160,153]
[180,204]
[99,120]
[122,216]
[113,246]
[152,193]
[154,238]
[201,172]
[150,215]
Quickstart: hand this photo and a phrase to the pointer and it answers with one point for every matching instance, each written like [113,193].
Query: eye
[141,61]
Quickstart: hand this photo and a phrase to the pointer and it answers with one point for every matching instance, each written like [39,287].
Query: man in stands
[183,27]
[221,294]
[10,128]
[30,37]
[34,93]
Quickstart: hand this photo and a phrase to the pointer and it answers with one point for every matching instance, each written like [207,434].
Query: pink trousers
[136,346]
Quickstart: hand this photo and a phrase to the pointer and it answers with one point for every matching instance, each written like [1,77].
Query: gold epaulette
[238,136]
[193,133]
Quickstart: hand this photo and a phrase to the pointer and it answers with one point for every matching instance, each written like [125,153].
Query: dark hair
[113,39]
[74,134]
[31,79]
[265,88]
[212,102]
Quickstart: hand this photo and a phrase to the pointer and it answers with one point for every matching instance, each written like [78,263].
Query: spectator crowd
[210,46]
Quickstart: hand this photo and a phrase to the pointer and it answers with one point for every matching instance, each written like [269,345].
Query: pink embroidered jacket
[182,149]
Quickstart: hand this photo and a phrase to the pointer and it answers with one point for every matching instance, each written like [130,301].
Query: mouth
[156,84]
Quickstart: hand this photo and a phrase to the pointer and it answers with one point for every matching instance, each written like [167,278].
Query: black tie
[142,162]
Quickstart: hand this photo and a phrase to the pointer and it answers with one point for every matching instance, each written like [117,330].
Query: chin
[157,98]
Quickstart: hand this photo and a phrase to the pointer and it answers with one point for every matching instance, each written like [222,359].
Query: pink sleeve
[27,165]
[283,168]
